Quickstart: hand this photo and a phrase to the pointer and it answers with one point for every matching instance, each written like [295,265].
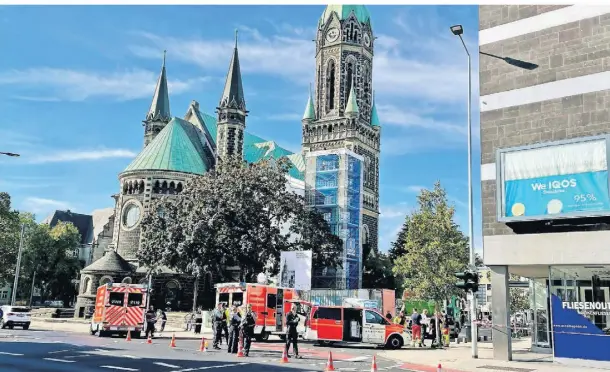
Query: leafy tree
[377,272]
[436,248]
[519,297]
[478,260]
[9,238]
[398,247]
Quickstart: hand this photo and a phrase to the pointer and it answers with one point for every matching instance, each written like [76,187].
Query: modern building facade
[545,120]
[334,187]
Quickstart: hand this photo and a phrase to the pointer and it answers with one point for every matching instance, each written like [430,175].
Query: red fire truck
[119,308]
[270,304]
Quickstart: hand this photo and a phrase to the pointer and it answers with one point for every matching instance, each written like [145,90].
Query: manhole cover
[507,369]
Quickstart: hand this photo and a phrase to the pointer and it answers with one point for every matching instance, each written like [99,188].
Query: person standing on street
[163,321]
[198,320]
[425,323]
[225,324]
[234,321]
[416,328]
[219,317]
[292,333]
[247,325]
[150,322]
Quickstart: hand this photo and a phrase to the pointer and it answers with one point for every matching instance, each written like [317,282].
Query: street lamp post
[17,268]
[458,30]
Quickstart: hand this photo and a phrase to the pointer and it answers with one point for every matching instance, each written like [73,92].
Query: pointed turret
[233,94]
[310,112]
[351,108]
[231,112]
[374,117]
[158,114]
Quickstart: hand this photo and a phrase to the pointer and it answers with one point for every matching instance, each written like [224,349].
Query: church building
[340,114]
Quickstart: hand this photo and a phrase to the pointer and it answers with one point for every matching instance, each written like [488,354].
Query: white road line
[11,354]
[120,368]
[356,359]
[130,357]
[166,365]
[59,360]
[58,351]
[211,367]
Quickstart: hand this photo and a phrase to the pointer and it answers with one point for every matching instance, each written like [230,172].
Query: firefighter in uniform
[247,328]
[151,319]
[219,317]
[292,334]
[234,321]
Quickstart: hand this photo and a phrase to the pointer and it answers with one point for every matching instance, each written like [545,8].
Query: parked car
[15,316]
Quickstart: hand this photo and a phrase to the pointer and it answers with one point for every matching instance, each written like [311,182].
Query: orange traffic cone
[172,343]
[149,340]
[128,336]
[284,356]
[374,365]
[329,365]
[202,347]
[439,368]
[240,349]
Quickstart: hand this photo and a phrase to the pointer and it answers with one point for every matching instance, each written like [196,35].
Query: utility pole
[16,282]
[32,291]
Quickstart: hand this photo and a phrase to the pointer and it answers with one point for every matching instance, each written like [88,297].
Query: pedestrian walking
[445,321]
[292,333]
[163,317]
[234,322]
[198,320]
[416,328]
[150,317]
[425,323]
[219,317]
[247,326]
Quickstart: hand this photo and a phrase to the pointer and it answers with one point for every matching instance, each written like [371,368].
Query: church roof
[352,103]
[233,94]
[257,148]
[159,108]
[111,261]
[374,117]
[310,112]
[178,147]
[343,11]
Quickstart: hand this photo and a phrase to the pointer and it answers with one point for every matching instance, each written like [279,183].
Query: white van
[15,316]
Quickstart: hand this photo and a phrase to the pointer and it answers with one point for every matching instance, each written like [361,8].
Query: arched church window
[172,188]
[179,187]
[164,187]
[125,187]
[157,187]
[141,187]
[330,86]
[350,76]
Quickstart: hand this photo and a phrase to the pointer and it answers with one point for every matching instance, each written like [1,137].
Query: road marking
[59,360]
[166,365]
[58,351]
[11,354]
[120,368]
[130,357]
[211,367]
[356,359]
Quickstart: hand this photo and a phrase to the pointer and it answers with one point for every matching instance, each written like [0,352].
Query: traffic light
[469,281]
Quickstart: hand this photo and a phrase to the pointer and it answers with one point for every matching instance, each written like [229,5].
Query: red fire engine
[119,308]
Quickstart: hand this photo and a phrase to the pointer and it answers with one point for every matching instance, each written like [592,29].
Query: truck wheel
[394,342]
[265,336]
[101,333]
[2,325]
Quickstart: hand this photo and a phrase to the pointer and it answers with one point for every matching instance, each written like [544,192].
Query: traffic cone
[439,368]
[329,365]
[202,347]
[284,356]
[172,343]
[240,348]
[128,336]
[149,340]
[374,364]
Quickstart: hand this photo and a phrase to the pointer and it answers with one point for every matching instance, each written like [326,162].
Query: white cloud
[399,210]
[41,205]
[73,85]
[416,189]
[77,155]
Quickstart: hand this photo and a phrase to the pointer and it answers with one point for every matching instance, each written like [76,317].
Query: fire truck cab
[330,324]
[119,308]
[270,304]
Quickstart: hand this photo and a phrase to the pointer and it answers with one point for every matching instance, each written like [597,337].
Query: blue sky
[76,82]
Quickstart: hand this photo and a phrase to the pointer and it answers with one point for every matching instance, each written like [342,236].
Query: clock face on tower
[332,35]
[367,40]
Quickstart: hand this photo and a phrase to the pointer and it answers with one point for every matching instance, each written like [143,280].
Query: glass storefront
[541,315]
[580,304]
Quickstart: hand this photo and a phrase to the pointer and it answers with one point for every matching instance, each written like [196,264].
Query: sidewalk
[457,358]
[81,326]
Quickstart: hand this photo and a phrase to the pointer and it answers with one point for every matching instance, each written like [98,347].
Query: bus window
[329,313]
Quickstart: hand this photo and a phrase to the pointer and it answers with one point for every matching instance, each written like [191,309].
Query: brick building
[545,117]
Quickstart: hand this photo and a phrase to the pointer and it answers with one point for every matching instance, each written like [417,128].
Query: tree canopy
[434,248]
[237,215]
[9,238]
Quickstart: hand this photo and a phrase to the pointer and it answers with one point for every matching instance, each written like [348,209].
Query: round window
[131,215]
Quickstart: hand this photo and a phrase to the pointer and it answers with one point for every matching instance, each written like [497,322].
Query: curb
[417,367]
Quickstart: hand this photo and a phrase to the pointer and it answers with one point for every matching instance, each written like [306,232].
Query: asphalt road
[39,351]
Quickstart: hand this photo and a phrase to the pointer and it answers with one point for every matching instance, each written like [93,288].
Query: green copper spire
[159,108]
[352,104]
[374,117]
[343,11]
[310,113]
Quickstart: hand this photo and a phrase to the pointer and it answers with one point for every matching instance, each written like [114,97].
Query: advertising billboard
[295,270]
[554,180]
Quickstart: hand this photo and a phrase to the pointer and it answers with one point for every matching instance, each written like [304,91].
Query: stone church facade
[177,149]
